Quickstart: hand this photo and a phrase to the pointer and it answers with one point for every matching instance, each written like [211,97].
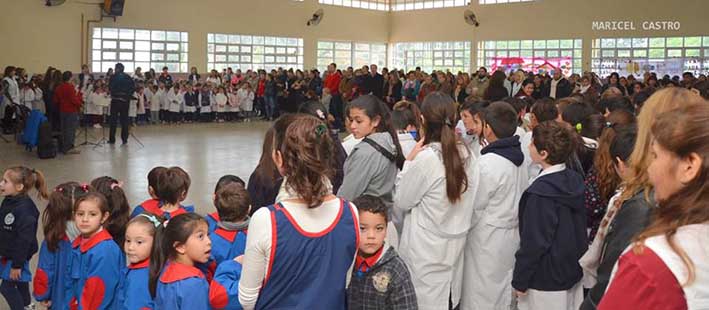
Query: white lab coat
[496,185]
[141,103]
[133,106]
[246,99]
[221,100]
[97,103]
[157,98]
[533,169]
[27,96]
[175,100]
[407,142]
[434,230]
[234,103]
[206,109]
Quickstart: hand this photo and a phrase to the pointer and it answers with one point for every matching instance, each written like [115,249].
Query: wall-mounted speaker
[113,7]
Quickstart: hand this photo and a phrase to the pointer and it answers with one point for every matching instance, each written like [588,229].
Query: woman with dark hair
[11,92]
[432,193]
[265,181]
[496,90]
[529,89]
[393,89]
[372,165]
[614,81]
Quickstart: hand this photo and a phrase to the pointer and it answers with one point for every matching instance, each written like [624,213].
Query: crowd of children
[181,102]
[581,202]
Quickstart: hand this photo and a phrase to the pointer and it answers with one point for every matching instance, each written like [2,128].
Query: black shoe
[111,142]
[124,142]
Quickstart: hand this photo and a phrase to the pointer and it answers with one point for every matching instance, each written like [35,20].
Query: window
[664,55]
[139,48]
[502,1]
[408,5]
[532,55]
[430,56]
[379,5]
[355,54]
[253,52]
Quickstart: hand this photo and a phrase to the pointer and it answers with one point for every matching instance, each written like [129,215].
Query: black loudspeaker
[114,7]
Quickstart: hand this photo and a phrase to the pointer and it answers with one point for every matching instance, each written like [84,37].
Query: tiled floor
[205,151]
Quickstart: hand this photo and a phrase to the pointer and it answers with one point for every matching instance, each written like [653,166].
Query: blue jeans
[269,105]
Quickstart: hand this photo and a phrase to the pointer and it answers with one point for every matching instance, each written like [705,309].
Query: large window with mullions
[244,51]
[532,55]
[354,54]
[430,56]
[139,48]
[664,55]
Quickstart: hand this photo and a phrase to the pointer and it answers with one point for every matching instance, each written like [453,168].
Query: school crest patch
[381,281]
[9,219]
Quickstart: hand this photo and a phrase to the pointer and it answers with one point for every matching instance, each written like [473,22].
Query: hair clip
[579,127]
[152,219]
[85,187]
[320,130]
[59,190]
[116,184]
[609,124]
[448,123]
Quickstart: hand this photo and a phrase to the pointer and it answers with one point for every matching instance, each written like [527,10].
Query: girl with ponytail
[175,282]
[117,204]
[18,233]
[432,193]
[48,286]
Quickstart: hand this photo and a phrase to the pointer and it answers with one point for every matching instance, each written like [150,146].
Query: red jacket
[66,97]
[261,89]
[333,83]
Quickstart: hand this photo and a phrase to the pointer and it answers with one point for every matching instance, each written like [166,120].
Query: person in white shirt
[433,193]
[497,183]
[305,207]
[97,101]
[155,101]
[246,100]
[542,111]
[471,132]
[175,98]
[12,90]
[221,101]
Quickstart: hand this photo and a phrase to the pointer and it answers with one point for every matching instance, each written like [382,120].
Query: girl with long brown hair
[432,192]
[667,265]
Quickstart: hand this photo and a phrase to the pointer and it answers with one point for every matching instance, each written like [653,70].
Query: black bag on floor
[47,146]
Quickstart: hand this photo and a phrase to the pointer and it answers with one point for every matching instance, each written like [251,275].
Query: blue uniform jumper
[309,270]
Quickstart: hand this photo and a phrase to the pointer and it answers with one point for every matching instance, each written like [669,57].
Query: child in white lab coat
[434,195]
[497,183]
[155,100]
[245,97]
[221,102]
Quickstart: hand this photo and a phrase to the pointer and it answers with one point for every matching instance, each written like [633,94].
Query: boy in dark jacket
[552,226]
[380,279]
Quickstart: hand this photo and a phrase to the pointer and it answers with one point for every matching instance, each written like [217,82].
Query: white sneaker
[97,126]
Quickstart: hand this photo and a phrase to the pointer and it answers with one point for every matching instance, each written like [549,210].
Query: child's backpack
[47,146]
